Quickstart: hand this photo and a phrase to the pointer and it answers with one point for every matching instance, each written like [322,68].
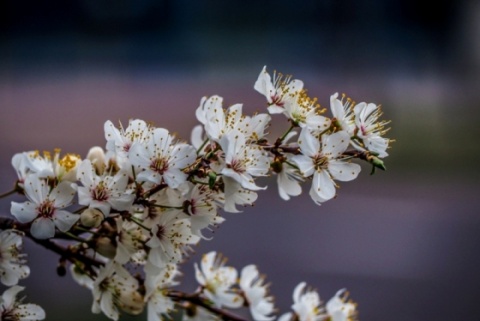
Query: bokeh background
[405,242]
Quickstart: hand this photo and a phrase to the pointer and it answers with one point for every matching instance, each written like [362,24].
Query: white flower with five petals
[103,192]
[325,161]
[161,160]
[243,161]
[170,237]
[45,207]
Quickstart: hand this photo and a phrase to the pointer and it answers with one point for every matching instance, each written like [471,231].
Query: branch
[366,156]
[197,300]
[67,253]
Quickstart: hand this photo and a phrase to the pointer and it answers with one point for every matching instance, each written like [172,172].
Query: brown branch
[199,301]
[66,253]
[366,156]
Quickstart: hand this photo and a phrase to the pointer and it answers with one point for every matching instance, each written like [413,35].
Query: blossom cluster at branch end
[129,213]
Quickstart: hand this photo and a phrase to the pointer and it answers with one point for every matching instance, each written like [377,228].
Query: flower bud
[105,247]
[97,156]
[61,268]
[131,302]
[91,217]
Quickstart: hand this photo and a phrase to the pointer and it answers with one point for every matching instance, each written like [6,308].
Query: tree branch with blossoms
[144,200]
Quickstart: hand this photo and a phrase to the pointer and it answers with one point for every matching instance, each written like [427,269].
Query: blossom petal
[287,185]
[309,144]
[182,155]
[43,228]
[264,85]
[322,185]
[24,212]
[62,195]
[305,164]
[318,123]
[35,188]
[335,144]
[30,311]
[343,171]
[64,219]
[8,297]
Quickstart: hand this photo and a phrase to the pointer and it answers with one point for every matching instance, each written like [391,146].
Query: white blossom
[217,281]
[170,237]
[158,303]
[343,113]
[200,204]
[370,130]
[339,308]
[278,90]
[12,262]
[45,207]
[251,282]
[12,310]
[219,122]
[304,111]
[242,161]
[325,161]
[81,277]
[45,166]
[130,242]
[115,288]
[235,194]
[306,305]
[288,181]
[103,192]
[161,160]
[120,140]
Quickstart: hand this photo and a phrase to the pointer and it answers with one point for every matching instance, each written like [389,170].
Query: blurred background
[405,242]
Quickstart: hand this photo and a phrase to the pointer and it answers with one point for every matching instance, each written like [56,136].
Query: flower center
[320,162]
[46,209]
[277,100]
[126,147]
[69,161]
[189,207]
[159,165]
[161,232]
[237,165]
[100,193]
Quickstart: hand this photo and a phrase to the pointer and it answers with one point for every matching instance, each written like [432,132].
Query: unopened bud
[61,268]
[377,163]
[105,247]
[96,155]
[276,166]
[131,302]
[91,217]
[212,178]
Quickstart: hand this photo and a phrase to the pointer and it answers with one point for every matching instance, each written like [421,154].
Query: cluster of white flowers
[307,306]
[145,199]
